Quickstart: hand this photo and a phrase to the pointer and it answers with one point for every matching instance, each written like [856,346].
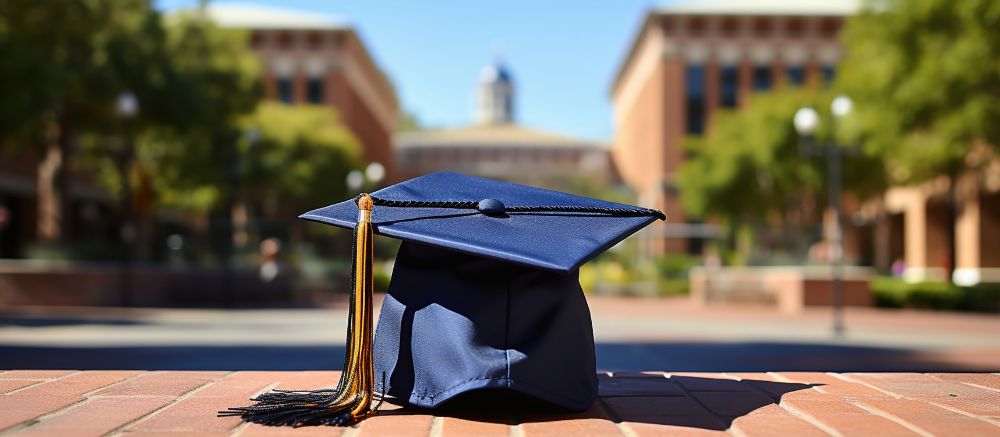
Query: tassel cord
[351,401]
[465,204]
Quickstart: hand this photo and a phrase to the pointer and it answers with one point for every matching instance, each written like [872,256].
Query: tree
[299,160]
[749,171]
[926,82]
[64,64]
[209,85]
[294,159]
[924,79]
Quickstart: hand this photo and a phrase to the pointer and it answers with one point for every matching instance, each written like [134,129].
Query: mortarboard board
[484,294]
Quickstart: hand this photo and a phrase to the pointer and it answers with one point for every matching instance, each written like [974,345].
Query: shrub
[675,266]
[896,293]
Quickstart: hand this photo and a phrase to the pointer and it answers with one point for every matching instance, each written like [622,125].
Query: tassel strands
[351,401]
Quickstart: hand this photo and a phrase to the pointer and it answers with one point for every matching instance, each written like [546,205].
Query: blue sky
[563,54]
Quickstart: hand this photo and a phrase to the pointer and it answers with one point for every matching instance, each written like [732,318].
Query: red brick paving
[171,404]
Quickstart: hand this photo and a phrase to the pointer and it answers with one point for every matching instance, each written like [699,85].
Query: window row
[761,78]
[315,90]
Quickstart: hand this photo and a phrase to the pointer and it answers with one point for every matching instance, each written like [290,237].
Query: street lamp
[127,105]
[841,106]
[806,122]
[375,172]
[355,179]
[127,108]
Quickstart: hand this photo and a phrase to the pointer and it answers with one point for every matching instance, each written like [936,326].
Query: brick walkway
[134,404]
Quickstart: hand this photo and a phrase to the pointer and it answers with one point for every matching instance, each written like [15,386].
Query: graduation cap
[484,295]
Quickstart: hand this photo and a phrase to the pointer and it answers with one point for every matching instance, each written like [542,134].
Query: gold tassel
[351,401]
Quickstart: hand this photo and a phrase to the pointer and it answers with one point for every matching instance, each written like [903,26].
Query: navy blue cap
[454,319]
[559,241]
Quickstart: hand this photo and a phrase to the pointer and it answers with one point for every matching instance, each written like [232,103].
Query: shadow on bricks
[650,398]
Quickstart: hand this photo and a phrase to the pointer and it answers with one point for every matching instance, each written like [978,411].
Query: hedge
[896,293]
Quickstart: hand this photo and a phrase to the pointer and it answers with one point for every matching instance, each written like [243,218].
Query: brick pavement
[182,403]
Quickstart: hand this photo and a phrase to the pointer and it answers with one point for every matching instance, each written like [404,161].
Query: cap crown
[558,241]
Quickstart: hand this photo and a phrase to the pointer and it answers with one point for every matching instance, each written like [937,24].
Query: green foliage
[380,280]
[674,287]
[675,266]
[896,293]
[218,76]
[408,121]
[665,276]
[301,156]
[214,82]
[65,62]
[749,167]
[924,76]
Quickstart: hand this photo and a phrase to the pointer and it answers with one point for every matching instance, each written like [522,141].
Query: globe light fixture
[127,105]
[841,106]
[375,172]
[355,179]
[806,121]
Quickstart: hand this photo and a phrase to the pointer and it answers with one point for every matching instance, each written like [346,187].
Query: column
[967,236]
[915,235]
[299,80]
[711,91]
[746,82]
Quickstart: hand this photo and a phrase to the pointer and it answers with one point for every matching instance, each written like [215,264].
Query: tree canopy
[65,64]
[199,92]
[750,166]
[926,82]
[301,156]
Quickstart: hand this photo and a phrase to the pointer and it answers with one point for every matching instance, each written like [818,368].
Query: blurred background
[829,169]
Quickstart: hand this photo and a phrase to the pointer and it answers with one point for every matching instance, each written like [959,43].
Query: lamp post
[127,108]
[806,122]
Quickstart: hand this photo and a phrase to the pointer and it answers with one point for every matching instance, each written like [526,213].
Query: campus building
[688,61]
[496,146]
[309,58]
[914,228]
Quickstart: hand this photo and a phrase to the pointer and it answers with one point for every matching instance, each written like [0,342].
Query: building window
[829,28]
[285,90]
[729,85]
[257,40]
[314,91]
[285,40]
[796,28]
[796,75]
[695,103]
[762,78]
[761,28]
[696,27]
[829,74]
[730,27]
[315,40]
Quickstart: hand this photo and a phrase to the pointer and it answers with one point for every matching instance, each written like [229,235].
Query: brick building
[689,60]
[314,59]
[496,146]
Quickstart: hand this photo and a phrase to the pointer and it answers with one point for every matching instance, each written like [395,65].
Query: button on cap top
[491,207]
